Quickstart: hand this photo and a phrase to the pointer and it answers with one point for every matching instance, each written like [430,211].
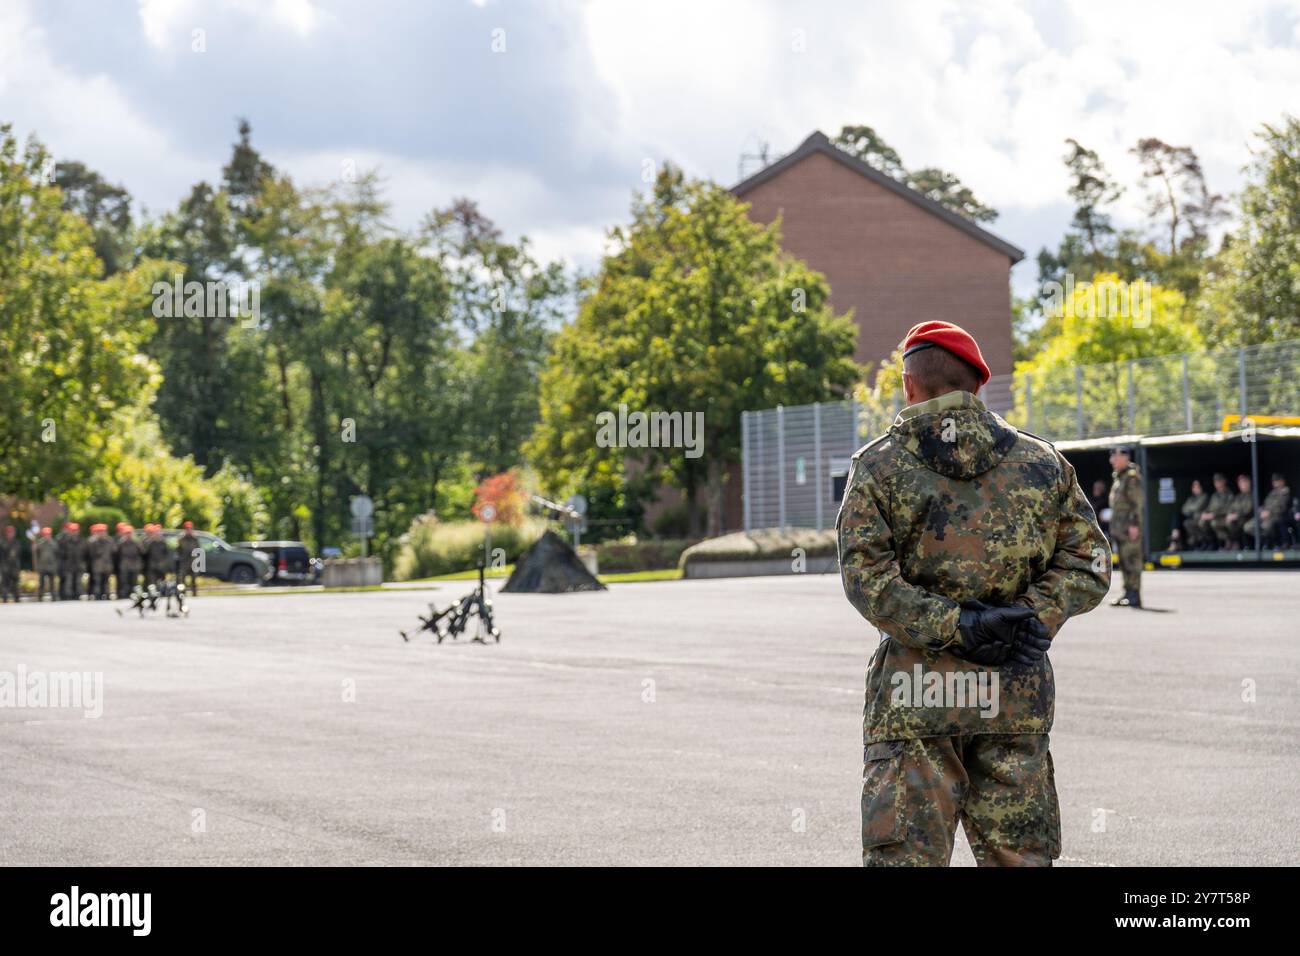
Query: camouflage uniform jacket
[131,560]
[1243,506]
[157,556]
[99,554]
[11,560]
[1278,503]
[1220,503]
[1195,506]
[45,555]
[185,548]
[953,504]
[1125,501]
[71,551]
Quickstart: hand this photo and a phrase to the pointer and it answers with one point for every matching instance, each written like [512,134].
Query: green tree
[70,340]
[697,310]
[104,207]
[936,184]
[509,306]
[1253,286]
[1104,326]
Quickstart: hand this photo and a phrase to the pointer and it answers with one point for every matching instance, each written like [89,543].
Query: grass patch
[631,577]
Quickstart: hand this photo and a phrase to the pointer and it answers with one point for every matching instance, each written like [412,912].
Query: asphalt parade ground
[692,722]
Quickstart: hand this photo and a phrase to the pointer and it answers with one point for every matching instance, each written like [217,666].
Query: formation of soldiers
[1226,520]
[100,567]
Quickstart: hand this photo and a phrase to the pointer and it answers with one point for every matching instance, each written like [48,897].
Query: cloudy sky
[548,112]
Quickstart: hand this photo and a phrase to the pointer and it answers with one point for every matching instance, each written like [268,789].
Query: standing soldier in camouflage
[72,561]
[130,561]
[1274,513]
[968,545]
[185,556]
[45,559]
[99,552]
[1240,513]
[1214,520]
[11,563]
[117,559]
[157,556]
[1126,524]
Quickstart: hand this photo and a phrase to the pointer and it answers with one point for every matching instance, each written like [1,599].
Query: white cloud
[168,24]
[989,91]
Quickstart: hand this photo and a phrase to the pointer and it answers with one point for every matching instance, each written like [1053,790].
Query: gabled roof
[819,143]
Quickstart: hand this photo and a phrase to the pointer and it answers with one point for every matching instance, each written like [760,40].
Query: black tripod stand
[475,603]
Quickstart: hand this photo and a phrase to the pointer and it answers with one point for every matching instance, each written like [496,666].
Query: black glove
[1031,643]
[988,633]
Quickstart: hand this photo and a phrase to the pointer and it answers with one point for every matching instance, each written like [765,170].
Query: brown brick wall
[890,261]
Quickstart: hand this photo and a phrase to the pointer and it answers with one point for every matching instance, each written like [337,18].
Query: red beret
[951,338]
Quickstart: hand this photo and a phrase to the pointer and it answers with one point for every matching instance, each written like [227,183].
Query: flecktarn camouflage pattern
[953,504]
[1125,513]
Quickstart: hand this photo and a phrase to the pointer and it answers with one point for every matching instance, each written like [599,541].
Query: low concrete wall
[827,564]
[352,572]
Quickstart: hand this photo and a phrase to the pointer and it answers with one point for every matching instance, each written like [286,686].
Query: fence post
[1130,397]
[780,465]
[747,466]
[1241,380]
[761,477]
[1187,395]
[1078,396]
[1029,401]
[818,491]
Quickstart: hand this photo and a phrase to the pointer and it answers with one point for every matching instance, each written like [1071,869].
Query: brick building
[891,255]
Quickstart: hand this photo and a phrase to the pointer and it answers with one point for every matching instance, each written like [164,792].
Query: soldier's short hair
[937,371]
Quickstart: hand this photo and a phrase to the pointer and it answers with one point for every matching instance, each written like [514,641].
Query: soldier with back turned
[99,554]
[72,561]
[157,556]
[130,560]
[186,548]
[45,557]
[10,564]
[967,544]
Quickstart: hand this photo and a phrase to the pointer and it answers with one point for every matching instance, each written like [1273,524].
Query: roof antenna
[761,155]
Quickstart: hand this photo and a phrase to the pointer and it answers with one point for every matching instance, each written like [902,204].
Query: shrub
[433,547]
[673,522]
[761,545]
[654,555]
[100,514]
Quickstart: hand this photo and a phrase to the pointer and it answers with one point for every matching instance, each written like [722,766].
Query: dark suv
[236,565]
[290,561]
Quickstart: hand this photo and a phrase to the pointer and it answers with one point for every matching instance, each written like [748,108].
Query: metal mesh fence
[795,458]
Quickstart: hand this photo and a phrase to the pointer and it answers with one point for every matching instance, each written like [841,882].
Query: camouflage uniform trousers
[1130,562]
[1000,787]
